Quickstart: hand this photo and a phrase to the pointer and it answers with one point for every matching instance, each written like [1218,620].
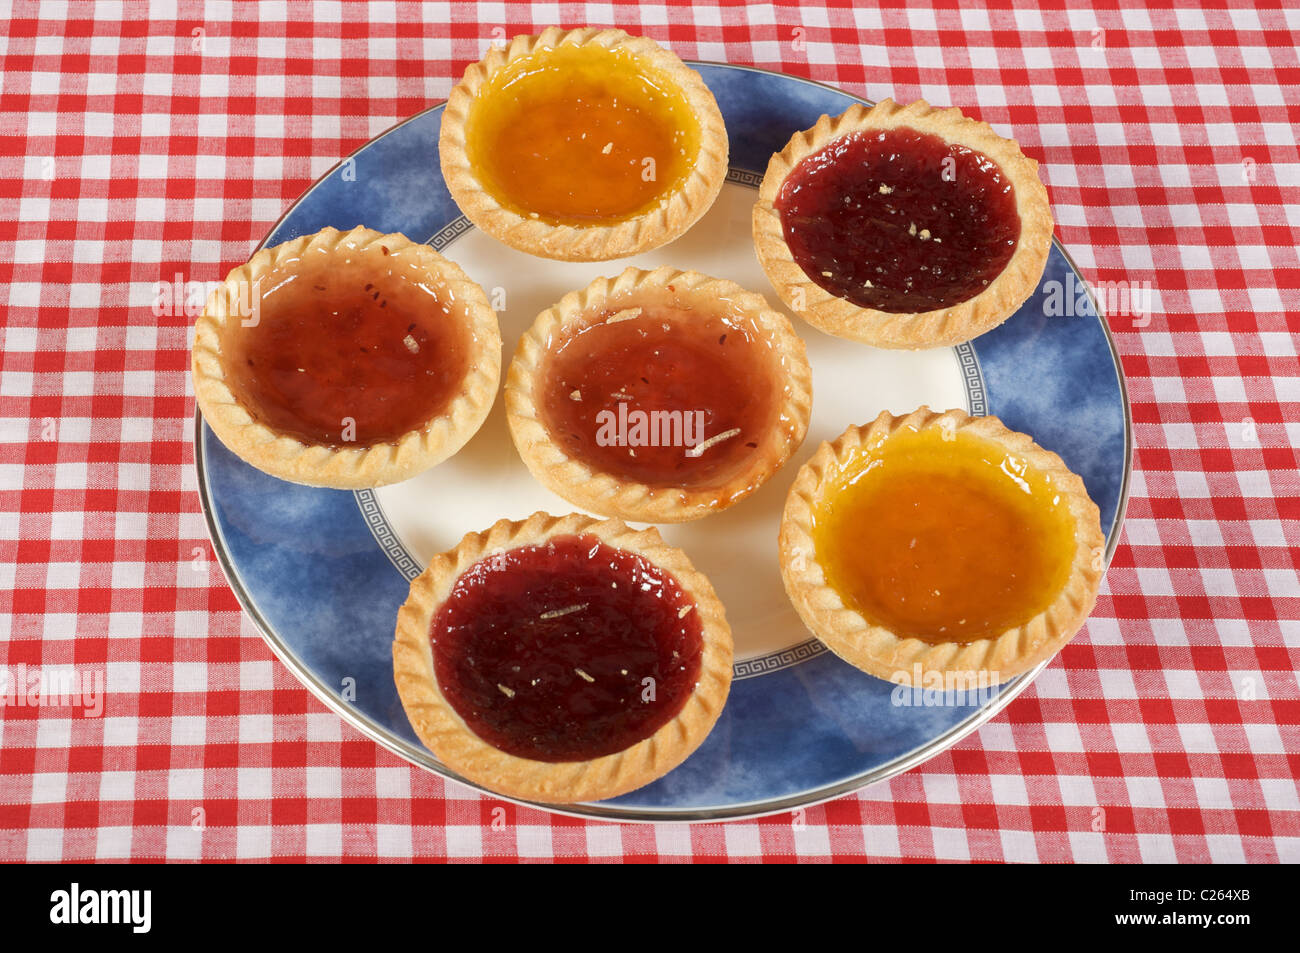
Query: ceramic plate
[323,572]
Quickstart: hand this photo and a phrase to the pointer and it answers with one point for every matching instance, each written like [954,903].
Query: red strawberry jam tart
[346,359]
[659,396]
[902,226]
[562,659]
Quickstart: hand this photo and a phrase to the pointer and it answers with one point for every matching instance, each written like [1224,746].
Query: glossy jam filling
[338,361]
[566,651]
[580,136]
[899,220]
[659,395]
[944,540]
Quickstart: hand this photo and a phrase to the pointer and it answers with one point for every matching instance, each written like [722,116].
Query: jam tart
[659,396]
[346,359]
[562,659]
[582,145]
[902,226]
[940,541]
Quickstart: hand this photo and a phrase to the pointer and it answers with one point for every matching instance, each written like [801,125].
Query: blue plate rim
[747,810]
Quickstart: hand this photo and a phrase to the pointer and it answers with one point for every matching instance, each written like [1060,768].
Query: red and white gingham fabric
[135,150]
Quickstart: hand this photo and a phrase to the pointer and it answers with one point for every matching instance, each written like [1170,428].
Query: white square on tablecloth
[44,844]
[1088,847]
[116,786]
[464,840]
[185,784]
[812,840]
[1280,794]
[1063,736]
[54,729]
[1018,846]
[255,675]
[1266,739]
[123,677]
[184,842]
[742,840]
[941,788]
[393,841]
[256,729]
[324,782]
[49,787]
[120,732]
[254,784]
[1225,849]
[950,843]
[324,840]
[1009,790]
[253,841]
[606,840]
[1197,739]
[1156,848]
[1130,737]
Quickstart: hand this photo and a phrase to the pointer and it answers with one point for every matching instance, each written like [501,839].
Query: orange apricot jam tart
[940,540]
[902,226]
[659,396]
[562,659]
[582,145]
[346,359]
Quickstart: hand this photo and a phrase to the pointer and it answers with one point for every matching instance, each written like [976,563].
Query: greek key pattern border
[449,233]
[383,533]
[775,661]
[745,177]
[973,377]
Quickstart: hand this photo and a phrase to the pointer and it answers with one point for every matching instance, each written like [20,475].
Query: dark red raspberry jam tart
[562,659]
[346,359]
[660,396]
[903,227]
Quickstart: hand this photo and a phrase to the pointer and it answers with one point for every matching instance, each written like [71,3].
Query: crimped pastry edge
[290,459]
[604,493]
[656,227]
[876,649]
[445,733]
[942,327]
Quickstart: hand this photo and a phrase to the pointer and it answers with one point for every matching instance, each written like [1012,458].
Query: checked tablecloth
[143,141]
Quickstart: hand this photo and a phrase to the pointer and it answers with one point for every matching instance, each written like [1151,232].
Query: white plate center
[736,549]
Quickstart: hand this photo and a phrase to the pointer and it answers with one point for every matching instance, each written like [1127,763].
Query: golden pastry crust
[347,468]
[879,651]
[679,210]
[445,733]
[938,328]
[605,493]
